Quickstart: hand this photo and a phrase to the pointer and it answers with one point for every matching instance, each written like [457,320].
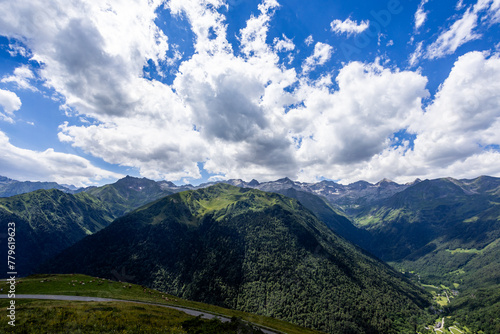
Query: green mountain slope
[325,212]
[432,213]
[448,232]
[47,221]
[253,251]
[128,194]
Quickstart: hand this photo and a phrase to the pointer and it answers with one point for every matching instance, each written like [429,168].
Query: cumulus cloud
[9,102]
[242,113]
[22,164]
[456,135]
[285,44]
[21,78]
[349,26]
[91,51]
[322,53]
[236,104]
[465,115]
[355,122]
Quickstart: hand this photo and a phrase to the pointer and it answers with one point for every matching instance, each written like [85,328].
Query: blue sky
[191,90]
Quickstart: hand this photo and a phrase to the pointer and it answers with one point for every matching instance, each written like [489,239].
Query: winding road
[194,313]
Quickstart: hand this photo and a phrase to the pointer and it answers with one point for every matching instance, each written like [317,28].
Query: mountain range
[253,251]
[445,232]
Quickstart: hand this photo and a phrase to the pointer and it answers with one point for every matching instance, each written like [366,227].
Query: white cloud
[463,30]
[494,12]
[16,49]
[349,26]
[451,136]
[243,113]
[158,138]
[458,34]
[92,52]
[309,40]
[22,164]
[354,123]
[205,21]
[285,44]
[465,115]
[253,36]
[21,78]
[9,102]
[236,105]
[416,55]
[322,53]
[420,15]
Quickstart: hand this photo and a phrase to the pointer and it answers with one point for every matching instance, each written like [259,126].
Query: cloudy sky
[197,90]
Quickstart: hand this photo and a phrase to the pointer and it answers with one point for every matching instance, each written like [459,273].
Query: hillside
[327,213]
[447,232]
[128,194]
[85,317]
[253,251]
[431,214]
[48,221]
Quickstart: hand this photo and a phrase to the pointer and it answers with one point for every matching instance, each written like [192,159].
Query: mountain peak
[385,182]
[4,180]
[414,182]
[284,180]
[358,185]
[253,183]
[166,183]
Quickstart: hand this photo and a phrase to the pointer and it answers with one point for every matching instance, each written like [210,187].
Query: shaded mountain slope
[253,251]
[47,221]
[325,212]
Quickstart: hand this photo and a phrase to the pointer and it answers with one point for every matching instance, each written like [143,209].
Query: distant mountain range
[347,196]
[9,187]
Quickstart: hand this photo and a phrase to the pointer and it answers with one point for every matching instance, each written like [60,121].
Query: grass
[492,244]
[455,330]
[441,300]
[462,250]
[93,317]
[431,288]
[95,287]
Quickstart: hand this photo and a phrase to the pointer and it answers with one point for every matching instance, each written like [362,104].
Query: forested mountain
[253,251]
[326,212]
[447,231]
[48,221]
[129,193]
[433,213]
